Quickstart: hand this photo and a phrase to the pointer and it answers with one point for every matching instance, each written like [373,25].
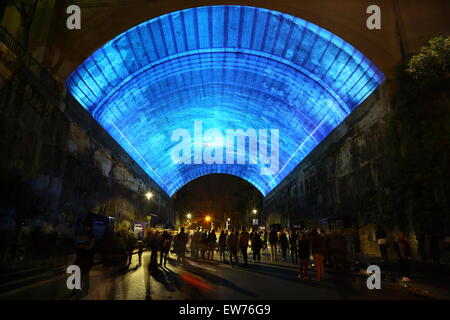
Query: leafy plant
[417,150]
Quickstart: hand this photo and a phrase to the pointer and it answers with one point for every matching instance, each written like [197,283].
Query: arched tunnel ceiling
[226,67]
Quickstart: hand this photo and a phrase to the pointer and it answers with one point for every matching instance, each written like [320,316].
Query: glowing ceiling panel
[218,68]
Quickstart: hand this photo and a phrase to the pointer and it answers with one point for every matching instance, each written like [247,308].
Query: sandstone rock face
[340,178]
[78,142]
[345,178]
[103,161]
[57,174]
[122,175]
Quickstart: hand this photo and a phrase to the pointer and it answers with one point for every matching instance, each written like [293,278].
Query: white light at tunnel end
[218,147]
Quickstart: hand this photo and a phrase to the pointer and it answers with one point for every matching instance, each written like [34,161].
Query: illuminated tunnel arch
[230,67]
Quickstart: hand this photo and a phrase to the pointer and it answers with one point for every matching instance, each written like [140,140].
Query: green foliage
[432,64]
[427,72]
[417,151]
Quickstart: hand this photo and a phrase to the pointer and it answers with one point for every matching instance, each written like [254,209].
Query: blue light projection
[226,67]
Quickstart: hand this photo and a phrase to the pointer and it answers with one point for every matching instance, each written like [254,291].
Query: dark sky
[220,196]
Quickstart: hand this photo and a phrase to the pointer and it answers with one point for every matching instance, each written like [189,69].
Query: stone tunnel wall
[59,167]
[344,179]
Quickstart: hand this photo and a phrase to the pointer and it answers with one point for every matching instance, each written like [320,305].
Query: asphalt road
[197,279]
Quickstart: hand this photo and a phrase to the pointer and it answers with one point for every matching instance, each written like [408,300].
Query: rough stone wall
[56,170]
[347,177]
[341,178]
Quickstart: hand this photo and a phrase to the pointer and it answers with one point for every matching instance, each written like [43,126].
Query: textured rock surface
[342,178]
[57,170]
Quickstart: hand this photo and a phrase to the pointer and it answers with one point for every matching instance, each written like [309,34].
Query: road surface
[198,279]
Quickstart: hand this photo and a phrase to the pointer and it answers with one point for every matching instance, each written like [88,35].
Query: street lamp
[255,221]
[148,195]
[189,216]
[207,218]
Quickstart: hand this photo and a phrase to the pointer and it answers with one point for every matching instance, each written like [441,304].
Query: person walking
[252,233]
[304,256]
[317,247]
[284,244]
[195,244]
[131,244]
[166,242]
[154,247]
[222,245]
[211,241]
[140,245]
[147,238]
[264,239]
[256,247]
[293,240]
[404,255]
[180,242]
[273,240]
[243,245]
[203,244]
[232,244]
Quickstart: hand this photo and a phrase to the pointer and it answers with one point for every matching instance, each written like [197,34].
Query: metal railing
[25,59]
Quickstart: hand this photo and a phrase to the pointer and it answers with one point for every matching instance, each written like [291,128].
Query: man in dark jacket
[264,236]
[223,245]
[244,237]
[304,255]
[203,244]
[179,243]
[284,244]
[293,239]
[256,247]
[232,244]
[131,244]
[195,243]
[140,246]
[273,239]
[154,246]
[404,255]
[211,243]
[166,241]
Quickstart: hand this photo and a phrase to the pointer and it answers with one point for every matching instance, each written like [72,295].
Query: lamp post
[188,219]
[148,195]
[208,220]
[255,220]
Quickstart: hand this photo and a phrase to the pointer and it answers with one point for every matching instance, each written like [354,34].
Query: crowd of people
[232,247]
